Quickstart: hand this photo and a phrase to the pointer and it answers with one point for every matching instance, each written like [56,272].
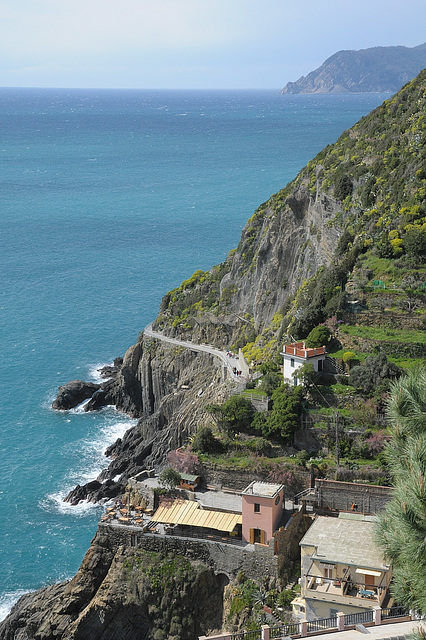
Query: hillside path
[229,361]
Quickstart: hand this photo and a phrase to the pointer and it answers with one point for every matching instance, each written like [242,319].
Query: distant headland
[378,69]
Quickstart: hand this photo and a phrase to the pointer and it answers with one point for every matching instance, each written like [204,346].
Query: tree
[169,478]
[284,417]
[374,375]
[184,461]
[233,415]
[205,442]
[318,337]
[415,243]
[270,381]
[306,374]
[402,527]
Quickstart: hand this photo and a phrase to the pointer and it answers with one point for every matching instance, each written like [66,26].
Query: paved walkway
[228,361]
[392,631]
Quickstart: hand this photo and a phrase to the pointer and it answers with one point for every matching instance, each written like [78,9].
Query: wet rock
[74,393]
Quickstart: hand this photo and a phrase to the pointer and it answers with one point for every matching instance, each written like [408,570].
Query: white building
[296,355]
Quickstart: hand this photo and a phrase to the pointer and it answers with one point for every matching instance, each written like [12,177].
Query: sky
[191,44]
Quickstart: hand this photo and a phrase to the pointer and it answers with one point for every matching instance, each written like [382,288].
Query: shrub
[169,478]
[205,442]
[374,375]
[343,187]
[318,337]
[184,461]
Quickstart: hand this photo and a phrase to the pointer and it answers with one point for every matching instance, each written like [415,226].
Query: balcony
[344,589]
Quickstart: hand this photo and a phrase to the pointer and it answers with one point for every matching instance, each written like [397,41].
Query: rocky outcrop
[378,69]
[74,393]
[122,593]
[169,388]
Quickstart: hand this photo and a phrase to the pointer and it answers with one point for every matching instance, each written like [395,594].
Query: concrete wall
[340,496]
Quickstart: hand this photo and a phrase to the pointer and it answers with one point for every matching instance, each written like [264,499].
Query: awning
[369,572]
[187,512]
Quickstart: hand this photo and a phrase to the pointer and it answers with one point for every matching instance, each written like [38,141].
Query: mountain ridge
[376,69]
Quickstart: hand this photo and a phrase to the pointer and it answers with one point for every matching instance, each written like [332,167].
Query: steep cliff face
[284,243]
[364,194]
[281,246]
[122,593]
[169,388]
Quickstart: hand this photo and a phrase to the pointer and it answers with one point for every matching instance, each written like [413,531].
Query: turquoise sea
[108,200]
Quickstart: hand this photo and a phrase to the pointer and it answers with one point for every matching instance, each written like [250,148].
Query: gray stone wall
[340,496]
[256,561]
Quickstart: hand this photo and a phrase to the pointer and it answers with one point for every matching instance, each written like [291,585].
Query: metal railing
[310,628]
[394,612]
[358,618]
[201,535]
[247,635]
[284,630]
[323,623]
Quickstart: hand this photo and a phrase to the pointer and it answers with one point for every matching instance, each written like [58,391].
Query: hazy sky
[191,43]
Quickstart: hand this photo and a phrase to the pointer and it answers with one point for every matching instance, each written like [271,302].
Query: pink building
[262,507]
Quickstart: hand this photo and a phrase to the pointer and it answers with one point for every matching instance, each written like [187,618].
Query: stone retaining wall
[340,496]
[256,561]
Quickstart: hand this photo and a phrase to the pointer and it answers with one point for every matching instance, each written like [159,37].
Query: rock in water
[73,393]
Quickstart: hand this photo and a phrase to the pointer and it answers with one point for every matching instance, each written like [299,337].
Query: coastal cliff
[360,199]
[122,593]
[377,69]
[288,274]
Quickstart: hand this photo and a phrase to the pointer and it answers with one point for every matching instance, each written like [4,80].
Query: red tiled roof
[298,349]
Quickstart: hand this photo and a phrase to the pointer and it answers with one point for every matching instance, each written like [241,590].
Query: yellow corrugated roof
[188,512]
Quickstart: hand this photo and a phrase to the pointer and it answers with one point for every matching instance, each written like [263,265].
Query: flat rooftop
[344,541]
[263,489]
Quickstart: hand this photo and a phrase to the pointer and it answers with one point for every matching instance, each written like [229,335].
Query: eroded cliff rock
[169,388]
[122,593]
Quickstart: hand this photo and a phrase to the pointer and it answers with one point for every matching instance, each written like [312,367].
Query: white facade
[295,355]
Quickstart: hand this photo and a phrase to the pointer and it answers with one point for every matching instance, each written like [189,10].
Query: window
[333,613]
[319,365]
[256,507]
[291,362]
[328,573]
[133,540]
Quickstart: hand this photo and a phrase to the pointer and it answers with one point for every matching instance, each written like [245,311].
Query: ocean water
[108,200]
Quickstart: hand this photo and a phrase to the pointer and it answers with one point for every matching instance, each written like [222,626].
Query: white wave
[92,461]
[80,407]
[54,503]
[94,370]
[8,599]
